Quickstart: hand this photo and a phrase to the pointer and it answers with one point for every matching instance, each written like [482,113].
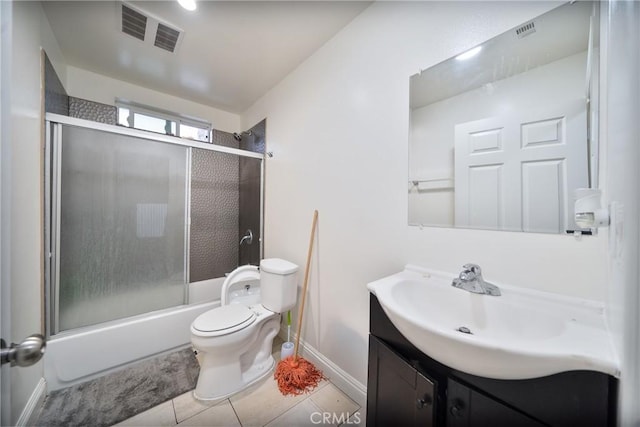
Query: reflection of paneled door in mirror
[518,172]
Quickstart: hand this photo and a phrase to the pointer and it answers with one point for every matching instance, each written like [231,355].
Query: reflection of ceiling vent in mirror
[133,23]
[166,38]
[526,29]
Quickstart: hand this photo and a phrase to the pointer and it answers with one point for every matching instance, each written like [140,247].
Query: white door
[517,172]
[5,308]
[29,349]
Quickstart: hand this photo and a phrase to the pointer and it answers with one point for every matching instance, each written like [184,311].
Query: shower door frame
[53,126]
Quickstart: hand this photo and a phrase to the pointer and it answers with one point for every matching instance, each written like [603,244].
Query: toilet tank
[278,284]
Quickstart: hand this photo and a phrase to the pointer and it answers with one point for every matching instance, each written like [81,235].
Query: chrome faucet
[471,280]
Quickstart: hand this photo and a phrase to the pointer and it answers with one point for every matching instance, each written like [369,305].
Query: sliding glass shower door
[133,217]
[121,229]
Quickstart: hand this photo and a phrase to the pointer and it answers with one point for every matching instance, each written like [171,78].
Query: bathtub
[86,353]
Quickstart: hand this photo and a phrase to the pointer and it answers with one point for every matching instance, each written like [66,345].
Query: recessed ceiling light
[188,4]
[469,54]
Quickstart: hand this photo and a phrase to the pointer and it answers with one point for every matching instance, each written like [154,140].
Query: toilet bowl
[234,341]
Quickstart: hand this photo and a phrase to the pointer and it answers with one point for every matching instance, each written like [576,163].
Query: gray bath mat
[115,397]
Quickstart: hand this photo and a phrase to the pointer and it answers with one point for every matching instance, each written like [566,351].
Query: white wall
[338,127]
[50,45]
[99,88]
[432,135]
[620,130]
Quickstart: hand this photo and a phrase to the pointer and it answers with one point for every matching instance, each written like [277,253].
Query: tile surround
[56,99]
[94,111]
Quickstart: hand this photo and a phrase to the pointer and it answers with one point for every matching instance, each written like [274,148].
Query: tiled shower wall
[250,178]
[94,111]
[214,214]
[56,99]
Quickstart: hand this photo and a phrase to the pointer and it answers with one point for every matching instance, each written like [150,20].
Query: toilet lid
[234,316]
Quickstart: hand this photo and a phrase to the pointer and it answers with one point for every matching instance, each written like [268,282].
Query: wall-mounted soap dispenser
[588,209]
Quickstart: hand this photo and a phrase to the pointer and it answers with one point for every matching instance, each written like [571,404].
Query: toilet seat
[223,320]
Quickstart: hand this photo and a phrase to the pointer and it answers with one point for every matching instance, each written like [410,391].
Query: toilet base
[223,374]
[250,377]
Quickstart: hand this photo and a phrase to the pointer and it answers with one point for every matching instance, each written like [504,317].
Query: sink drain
[464,330]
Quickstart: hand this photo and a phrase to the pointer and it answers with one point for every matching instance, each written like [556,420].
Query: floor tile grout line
[175,414]
[220,403]
[350,415]
[235,412]
[292,407]
[284,412]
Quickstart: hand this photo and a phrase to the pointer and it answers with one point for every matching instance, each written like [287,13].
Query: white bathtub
[80,355]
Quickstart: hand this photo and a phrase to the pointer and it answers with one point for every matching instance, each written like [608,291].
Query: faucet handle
[248,237]
[473,268]
[470,272]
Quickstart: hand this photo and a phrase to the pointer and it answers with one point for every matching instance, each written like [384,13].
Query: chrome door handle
[27,353]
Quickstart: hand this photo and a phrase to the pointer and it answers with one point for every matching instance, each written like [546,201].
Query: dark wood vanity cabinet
[408,388]
[467,407]
[402,395]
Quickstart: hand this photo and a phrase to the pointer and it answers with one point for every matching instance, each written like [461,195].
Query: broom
[294,374]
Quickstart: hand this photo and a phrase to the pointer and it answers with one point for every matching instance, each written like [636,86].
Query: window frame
[167,116]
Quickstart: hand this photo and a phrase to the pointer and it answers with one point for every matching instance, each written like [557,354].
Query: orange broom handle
[306,282]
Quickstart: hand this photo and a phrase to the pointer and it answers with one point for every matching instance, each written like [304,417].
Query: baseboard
[31,410]
[341,379]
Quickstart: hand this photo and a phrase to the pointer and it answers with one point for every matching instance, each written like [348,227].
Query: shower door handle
[27,353]
[248,237]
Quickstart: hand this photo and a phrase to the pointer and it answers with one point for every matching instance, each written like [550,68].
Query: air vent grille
[133,23]
[526,29]
[166,38]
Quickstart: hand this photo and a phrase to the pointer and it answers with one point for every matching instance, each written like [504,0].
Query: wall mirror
[501,135]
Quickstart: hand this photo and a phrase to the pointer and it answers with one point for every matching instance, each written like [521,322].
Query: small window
[153,124]
[145,118]
[123,117]
[194,132]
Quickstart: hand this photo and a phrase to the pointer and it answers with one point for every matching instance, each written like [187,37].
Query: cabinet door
[467,408]
[397,394]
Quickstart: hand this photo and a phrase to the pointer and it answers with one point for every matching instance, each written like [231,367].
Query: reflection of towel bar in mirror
[434,184]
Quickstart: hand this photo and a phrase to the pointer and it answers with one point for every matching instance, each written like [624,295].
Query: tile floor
[260,405]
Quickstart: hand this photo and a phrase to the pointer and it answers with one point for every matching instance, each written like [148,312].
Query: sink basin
[520,334]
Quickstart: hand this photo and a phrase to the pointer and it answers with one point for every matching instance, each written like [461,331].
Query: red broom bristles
[295,376]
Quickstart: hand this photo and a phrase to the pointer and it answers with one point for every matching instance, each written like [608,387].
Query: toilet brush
[287,347]
[294,374]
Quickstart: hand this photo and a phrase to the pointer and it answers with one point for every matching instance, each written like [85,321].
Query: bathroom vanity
[406,387]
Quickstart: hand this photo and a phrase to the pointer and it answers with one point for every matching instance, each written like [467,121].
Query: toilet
[234,340]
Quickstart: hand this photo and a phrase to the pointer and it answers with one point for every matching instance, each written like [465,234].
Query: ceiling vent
[133,23]
[149,29]
[166,38]
[526,29]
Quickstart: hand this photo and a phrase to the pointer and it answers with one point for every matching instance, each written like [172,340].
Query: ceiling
[562,32]
[230,54]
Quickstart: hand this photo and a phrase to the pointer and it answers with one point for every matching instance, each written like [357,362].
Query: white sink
[520,334]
